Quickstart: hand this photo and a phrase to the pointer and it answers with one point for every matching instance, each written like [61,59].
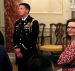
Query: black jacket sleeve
[35,30]
[15,36]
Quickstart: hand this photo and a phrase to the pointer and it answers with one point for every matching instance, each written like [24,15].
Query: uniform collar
[24,18]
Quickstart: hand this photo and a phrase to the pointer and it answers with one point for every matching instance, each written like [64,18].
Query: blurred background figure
[40,63]
[1,39]
[5,64]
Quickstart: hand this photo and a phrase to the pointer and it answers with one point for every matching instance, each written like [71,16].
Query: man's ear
[27,11]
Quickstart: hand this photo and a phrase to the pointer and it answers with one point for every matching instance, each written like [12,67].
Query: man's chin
[20,15]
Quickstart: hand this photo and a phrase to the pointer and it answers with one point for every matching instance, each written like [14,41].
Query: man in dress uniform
[25,37]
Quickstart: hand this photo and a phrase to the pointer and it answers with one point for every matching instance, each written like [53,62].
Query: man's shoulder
[34,21]
[17,21]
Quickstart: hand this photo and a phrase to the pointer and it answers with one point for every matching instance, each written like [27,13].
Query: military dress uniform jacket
[25,34]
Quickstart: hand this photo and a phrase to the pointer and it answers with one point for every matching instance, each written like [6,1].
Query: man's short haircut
[27,6]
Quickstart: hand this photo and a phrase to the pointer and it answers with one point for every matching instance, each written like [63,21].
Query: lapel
[28,19]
